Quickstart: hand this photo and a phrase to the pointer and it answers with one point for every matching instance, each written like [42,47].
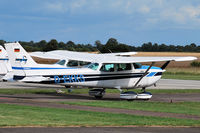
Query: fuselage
[101,75]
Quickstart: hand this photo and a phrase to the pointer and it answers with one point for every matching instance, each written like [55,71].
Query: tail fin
[25,68]
[5,66]
[19,58]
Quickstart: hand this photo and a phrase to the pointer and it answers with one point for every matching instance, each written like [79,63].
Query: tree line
[112,45]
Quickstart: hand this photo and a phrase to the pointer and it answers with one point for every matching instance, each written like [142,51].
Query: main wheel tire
[98,97]
[130,100]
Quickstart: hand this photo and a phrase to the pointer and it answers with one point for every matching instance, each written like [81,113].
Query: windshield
[62,62]
[137,65]
[93,66]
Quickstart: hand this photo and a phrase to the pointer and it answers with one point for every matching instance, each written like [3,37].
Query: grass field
[181,76]
[184,64]
[190,73]
[18,115]
[192,108]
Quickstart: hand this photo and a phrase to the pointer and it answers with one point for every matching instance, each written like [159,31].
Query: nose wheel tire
[98,97]
[130,95]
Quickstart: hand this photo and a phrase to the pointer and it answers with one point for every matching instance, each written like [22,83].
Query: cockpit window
[76,63]
[137,65]
[123,67]
[93,66]
[108,68]
[61,62]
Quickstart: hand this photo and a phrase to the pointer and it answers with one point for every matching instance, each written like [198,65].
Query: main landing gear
[97,93]
[131,95]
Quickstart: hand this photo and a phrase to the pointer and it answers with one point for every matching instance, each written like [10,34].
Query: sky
[132,22]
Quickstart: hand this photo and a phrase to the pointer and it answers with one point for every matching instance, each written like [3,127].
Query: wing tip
[188,58]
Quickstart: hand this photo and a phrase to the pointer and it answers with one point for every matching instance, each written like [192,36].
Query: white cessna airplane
[110,72]
[5,66]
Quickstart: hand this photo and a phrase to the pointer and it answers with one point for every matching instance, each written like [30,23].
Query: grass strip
[192,73]
[182,76]
[190,108]
[18,115]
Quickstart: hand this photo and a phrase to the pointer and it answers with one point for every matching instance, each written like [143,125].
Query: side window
[137,65]
[72,63]
[107,68]
[123,67]
[82,63]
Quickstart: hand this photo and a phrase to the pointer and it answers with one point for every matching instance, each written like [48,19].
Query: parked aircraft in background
[5,66]
[109,72]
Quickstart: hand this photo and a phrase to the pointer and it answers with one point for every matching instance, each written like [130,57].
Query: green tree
[62,46]
[51,45]
[99,46]
[123,48]
[2,42]
[111,46]
[147,46]
[42,45]
[70,46]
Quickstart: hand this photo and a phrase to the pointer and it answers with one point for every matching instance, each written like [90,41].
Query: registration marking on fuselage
[69,78]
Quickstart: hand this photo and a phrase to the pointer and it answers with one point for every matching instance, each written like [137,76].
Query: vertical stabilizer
[19,58]
[5,66]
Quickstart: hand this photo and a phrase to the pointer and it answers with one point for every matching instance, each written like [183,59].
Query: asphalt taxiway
[177,84]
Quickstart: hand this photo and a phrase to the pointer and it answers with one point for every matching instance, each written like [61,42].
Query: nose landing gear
[131,95]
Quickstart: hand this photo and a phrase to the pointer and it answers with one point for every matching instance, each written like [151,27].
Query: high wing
[81,56]
[104,58]
[121,54]
[145,59]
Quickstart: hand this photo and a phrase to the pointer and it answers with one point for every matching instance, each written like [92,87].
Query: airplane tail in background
[18,55]
[24,67]
[19,58]
[5,66]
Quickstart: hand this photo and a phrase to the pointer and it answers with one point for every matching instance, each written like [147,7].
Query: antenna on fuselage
[110,51]
[99,51]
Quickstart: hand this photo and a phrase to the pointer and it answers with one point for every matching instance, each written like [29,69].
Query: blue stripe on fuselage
[153,67]
[151,74]
[37,68]
[4,59]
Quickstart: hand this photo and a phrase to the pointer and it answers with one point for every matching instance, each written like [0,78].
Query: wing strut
[165,65]
[146,72]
